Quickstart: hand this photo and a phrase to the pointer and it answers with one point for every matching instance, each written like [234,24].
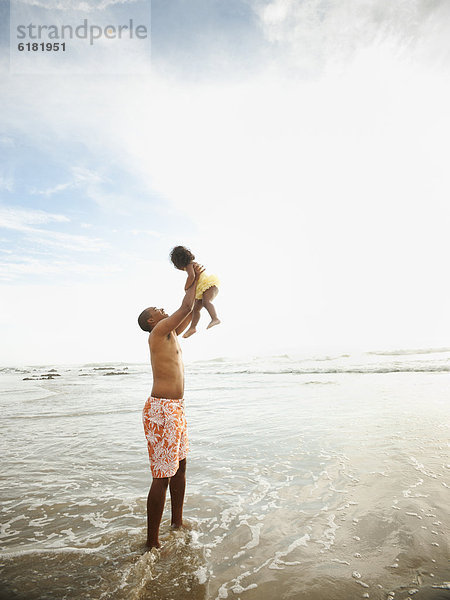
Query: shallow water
[314,478]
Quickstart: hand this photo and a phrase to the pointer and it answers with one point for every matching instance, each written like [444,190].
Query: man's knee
[161,482]
[181,468]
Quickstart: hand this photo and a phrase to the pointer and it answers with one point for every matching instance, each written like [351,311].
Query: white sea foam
[329,533]
[277,561]
[52,550]
[201,574]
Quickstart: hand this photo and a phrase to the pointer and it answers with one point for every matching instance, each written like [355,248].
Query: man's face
[157,314]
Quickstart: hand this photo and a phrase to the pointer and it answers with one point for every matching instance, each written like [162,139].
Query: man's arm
[175,320]
[190,276]
[182,326]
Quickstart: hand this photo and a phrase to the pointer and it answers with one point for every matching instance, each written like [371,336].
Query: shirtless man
[163,415]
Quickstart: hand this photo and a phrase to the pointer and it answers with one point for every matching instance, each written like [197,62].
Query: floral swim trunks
[166,432]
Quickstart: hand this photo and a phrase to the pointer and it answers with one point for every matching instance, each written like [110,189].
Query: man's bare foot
[184,525]
[189,332]
[150,545]
[213,322]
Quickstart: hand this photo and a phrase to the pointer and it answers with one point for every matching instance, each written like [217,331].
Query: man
[163,415]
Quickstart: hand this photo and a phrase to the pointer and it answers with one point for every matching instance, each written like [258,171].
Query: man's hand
[198,270]
[176,319]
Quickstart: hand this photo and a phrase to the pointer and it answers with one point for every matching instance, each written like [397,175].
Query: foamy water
[319,478]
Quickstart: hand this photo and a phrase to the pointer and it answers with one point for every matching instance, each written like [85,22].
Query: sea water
[320,477]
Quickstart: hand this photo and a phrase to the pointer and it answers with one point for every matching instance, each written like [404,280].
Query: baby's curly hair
[181,257]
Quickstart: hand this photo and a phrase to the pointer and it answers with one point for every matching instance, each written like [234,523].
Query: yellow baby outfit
[205,282]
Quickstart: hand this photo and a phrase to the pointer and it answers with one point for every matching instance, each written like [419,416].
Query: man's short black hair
[181,257]
[143,320]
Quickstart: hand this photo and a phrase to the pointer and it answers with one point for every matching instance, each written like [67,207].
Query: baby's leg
[195,319]
[208,297]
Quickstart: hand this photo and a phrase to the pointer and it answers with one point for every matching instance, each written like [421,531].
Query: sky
[298,147]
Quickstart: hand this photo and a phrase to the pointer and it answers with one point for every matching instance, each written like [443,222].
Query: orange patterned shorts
[165,429]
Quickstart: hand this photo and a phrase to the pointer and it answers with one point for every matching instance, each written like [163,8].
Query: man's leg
[155,508]
[177,488]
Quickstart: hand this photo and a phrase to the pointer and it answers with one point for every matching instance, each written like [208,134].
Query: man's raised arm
[176,319]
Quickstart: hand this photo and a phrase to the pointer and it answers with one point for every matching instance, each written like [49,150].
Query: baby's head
[181,257]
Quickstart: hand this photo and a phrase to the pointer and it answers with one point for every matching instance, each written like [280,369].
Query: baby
[207,287]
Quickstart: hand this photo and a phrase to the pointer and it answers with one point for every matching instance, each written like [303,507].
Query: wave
[44,551]
[263,358]
[366,370]
[110,365]
[75,414]
[224,362]
[409,352]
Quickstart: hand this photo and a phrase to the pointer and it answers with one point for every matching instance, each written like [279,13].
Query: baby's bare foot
[189,332]
[213,322]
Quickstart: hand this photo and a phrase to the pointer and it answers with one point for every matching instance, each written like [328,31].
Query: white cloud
[310,199]
[70,323]
[6,183]
[6,141]
[81,177]
[109,201]
[149,232]
[80,5]
[68,241]
[20,219]
[313,34]
[61,187]
[91,184]
[20,266]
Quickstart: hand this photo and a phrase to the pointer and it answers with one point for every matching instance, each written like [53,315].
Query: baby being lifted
[207,287]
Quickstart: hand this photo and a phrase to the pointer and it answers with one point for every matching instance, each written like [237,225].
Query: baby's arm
[190,276]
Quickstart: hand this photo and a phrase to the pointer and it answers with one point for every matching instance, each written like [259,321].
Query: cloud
[7,141]
[21,266]
[56,189]
[67,241]
[310,180]
[21,219]
[84,176]
[77,5]
[149,232]
[81,178]
[92,185]
[315,33]
[6,183]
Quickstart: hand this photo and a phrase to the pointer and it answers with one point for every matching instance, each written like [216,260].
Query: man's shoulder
[159,333]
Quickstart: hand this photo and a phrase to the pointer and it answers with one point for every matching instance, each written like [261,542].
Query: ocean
[320,477]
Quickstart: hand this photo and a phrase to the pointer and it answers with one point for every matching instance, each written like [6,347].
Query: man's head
[150,317]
